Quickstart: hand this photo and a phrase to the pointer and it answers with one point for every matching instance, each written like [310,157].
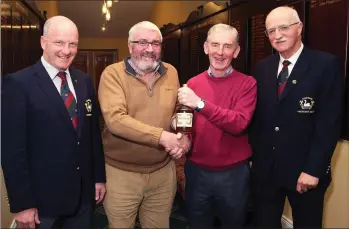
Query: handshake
[175,144]
[178,144]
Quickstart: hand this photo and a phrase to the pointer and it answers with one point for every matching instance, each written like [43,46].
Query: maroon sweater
[219,130]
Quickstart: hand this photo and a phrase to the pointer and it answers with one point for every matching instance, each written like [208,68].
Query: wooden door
[93,62]
[101,60]
[81,61]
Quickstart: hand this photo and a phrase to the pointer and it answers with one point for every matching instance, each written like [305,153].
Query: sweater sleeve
[236,119]
[114,108]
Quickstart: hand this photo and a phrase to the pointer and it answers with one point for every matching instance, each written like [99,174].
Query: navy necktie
[283,76]
[68,98]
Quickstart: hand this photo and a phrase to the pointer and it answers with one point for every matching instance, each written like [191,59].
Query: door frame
[91,60]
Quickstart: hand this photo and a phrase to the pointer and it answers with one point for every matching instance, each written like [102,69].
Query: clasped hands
[306,182]
[175,144]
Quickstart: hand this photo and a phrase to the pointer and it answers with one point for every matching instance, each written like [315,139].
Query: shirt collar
[52,71]
[293,59]
[229,70]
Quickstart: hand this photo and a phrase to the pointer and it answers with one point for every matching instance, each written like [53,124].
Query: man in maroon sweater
[217,171]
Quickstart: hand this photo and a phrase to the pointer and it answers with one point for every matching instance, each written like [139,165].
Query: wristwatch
[200,105]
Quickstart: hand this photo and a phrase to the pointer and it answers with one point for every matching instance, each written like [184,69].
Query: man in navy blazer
[296,125]
[52,155]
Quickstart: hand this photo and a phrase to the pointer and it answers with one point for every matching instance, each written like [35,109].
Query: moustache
[148,54]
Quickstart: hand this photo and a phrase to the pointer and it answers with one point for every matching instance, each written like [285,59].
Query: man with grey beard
[138,97]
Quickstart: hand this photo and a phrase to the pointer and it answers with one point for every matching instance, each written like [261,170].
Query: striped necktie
[283,76]
[68,98]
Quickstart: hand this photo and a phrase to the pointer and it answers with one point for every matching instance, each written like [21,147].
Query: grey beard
[149,67]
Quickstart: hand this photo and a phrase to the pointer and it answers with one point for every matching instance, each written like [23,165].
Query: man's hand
[178,152]
[100,192]
[27,218]
[168,140]
[306,182]
[174,144]
[187,97]
[185,143]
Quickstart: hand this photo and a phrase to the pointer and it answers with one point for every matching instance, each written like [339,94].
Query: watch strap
[197,109]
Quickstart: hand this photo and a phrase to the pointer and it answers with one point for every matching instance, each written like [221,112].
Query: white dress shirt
[52,71]
[293,59]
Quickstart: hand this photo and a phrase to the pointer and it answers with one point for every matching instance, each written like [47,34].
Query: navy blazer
[297,132]
[47,164]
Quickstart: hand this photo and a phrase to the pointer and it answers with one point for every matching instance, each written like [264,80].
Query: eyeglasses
[145,43]
[282,29]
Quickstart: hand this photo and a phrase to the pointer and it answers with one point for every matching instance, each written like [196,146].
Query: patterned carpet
[177,220]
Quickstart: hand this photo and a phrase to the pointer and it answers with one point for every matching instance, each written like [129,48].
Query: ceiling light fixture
[107,16]
[109,3]
[104,8]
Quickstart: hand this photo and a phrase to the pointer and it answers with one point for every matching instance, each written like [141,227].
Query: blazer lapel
[297,74]
[81,95]
[50,90]
[271,80]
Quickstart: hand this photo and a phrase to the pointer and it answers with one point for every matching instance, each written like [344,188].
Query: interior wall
[336,210]
[51,7]
[180,10]
[175,12]
[106,43]
[120,44]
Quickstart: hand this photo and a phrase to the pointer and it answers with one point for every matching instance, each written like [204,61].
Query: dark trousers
[81,219]
[269,201]
[222,193]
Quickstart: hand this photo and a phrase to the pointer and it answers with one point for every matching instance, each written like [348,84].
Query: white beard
[144,66]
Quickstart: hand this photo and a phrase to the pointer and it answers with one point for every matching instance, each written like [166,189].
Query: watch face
[201,104]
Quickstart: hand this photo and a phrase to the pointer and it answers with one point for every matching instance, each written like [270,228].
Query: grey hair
[145,25]
[223,27]
[47,26]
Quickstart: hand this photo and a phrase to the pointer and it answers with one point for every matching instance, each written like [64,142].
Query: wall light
[109,3]
[107,16]
[104,8]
